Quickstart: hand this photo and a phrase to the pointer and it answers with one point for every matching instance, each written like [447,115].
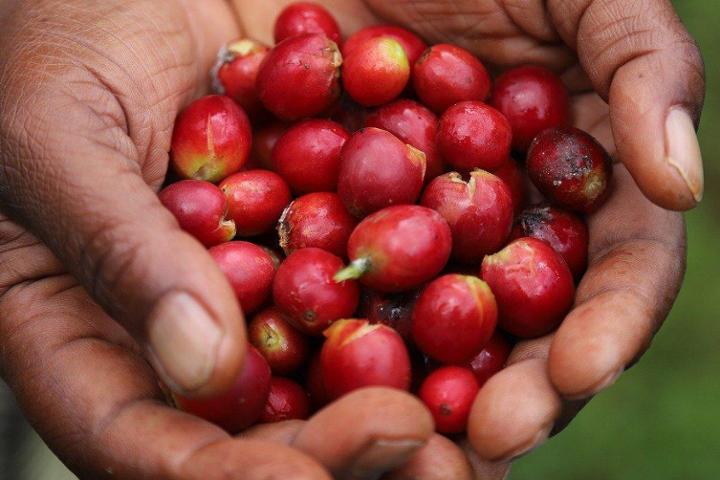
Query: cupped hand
[90,93]
[637,81]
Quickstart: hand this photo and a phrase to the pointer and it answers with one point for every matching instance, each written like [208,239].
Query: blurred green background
[661,420]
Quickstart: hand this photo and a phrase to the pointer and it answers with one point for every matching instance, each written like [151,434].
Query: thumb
[73,171]
[640,57]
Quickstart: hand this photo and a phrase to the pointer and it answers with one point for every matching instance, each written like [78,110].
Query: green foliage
[661,420]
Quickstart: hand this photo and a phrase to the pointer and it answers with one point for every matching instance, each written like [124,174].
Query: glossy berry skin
[491,358]
[532,285]
[199,207]
[264,141]
[413,45]
[391,309]
[300,76]
[454,318]
[414,124]
[398,248]
[566,233]
[307,156]
[284,347]
[378,170]
[356,355]
[250,270]
[473,135]
[286,401]
[242,405]
[376,71]
[532,99]
[479,212]
[447,74]
[317,220]
[570,168]
[305,17]
[211,139]
[449,392]
[236,70]
[256,199]
[510,173]
[304,289]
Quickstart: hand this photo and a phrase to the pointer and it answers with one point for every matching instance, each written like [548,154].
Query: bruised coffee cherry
[570,168]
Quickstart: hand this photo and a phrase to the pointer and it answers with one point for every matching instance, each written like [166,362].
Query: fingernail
[683,150]
[184,341]
[532,444]
[383,455]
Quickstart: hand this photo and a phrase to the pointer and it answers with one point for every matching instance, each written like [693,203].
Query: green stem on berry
[355,270]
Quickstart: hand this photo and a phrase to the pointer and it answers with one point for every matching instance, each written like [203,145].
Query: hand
[638,57]
[90,91]
[108,227]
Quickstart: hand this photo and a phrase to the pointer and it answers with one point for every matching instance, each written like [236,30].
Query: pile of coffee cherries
[372,220]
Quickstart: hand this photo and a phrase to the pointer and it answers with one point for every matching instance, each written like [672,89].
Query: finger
[503,33]
[637,260]
[482,469]
[641,58]
[362,435]
[366,432]
[439,459]
[98,404]
[82,142]
[514,411]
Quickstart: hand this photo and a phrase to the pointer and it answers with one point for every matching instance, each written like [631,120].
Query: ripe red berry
[199,207]
[236,70]
[256,199]
[284,347]
[473,135]
[446,74]
[300,76]
[532,285]
[566,233]
[378,170]
[411,43]
[509,172]
[414,124]
[317,220]
[454,318]
[356,354]
[533,99]
[391,309]
[286,401]
[570,168]
[449,392]
[264,141]
[304,289]
[211,139]
[305,17]
[479,212]
[307,156]
[249,268]
[376,71]
[242,405]
[491,359]
[398,248]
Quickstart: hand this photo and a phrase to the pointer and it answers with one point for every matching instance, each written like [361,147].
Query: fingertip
[366,432]
[514,412]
